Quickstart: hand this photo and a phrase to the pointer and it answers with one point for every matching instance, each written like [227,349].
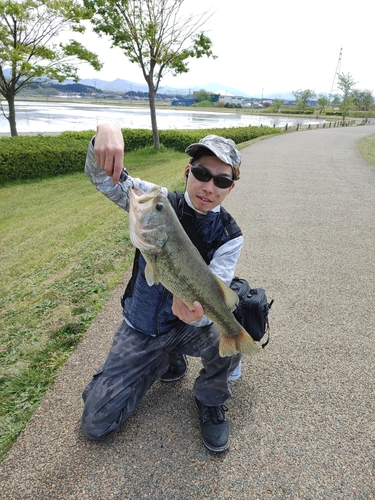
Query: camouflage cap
[224,149]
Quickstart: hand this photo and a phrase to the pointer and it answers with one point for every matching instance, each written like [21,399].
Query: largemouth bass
[172,260]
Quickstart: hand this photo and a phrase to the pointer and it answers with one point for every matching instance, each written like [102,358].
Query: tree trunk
[12,116]
[155,132]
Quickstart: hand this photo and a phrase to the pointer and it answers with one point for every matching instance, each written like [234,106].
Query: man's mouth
[203,199]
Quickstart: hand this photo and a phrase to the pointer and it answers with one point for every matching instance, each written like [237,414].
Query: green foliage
[152,34]
[302,96]
[203,104]
[232,105]
[362,99]
[277,105]
[30,157]
[201,95]
[323,102]
[362,114]
[295,111]
[26,157]
[366,147]
[155,35]
[27,33]
[345,84]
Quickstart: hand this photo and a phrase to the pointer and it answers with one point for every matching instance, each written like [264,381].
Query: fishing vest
[149,309]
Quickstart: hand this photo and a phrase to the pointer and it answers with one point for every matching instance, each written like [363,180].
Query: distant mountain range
[119,85]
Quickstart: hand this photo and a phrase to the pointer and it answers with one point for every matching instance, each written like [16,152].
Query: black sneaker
[177,368]
[214,426]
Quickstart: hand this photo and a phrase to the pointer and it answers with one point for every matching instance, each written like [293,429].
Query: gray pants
[136,361]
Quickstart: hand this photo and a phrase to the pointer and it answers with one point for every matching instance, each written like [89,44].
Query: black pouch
[252,310]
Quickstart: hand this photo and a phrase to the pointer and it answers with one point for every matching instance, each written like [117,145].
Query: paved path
[302,416]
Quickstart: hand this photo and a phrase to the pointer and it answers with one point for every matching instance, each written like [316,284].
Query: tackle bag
[252,310]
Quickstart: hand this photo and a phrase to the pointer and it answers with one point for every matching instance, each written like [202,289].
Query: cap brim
[190,150]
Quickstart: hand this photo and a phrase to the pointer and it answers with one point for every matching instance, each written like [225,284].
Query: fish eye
[159,207]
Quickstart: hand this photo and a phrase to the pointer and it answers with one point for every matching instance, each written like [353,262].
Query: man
[159,330]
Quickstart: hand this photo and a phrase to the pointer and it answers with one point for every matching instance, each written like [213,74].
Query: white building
[222,97]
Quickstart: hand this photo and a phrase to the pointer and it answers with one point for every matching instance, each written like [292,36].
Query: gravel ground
[302,415]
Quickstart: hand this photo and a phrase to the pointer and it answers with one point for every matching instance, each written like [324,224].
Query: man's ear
[186,171]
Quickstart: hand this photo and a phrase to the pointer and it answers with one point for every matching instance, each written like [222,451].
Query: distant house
[222,97]
[183,101]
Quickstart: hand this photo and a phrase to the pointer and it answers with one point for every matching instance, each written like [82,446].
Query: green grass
[64,249]
[366,148]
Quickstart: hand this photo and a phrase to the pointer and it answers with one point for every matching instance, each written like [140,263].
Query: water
[52,117]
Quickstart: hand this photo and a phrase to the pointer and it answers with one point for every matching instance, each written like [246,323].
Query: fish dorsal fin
[230,297]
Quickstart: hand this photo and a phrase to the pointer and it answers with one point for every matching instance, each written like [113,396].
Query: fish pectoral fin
[151,275]
[229,296]
[240,343]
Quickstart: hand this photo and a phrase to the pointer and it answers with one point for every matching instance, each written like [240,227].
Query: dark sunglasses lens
[204,175]
[201,174]
[222,182]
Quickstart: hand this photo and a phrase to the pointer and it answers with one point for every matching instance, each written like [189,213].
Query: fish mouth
[139,197]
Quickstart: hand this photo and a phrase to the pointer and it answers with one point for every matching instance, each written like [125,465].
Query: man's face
[206,195]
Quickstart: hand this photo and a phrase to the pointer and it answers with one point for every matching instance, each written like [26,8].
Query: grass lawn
[64,247]
[366,147]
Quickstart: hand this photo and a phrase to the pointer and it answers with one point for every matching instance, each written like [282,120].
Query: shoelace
[214,413]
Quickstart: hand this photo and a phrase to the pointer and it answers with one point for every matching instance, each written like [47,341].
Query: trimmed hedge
[30,157]
[294,111]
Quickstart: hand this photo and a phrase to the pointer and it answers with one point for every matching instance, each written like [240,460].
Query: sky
[269,47]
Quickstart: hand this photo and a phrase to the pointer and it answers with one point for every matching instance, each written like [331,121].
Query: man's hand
[184,313]
[109,150]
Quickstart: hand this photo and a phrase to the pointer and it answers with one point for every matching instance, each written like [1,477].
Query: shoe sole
[179,377]
[173,379]
[217,450]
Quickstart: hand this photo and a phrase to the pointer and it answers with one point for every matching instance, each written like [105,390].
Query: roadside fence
[342,123]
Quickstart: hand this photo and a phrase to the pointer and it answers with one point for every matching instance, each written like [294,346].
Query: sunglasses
[202,174]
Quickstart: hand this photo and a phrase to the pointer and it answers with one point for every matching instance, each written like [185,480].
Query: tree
[335,100]
[323,102]
[345,83]
[362,99]
[27,51]
[155,35]
[302,96]
[202,95]
[277,105]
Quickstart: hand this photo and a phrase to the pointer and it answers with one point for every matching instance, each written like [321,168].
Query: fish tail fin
[240,343]
[227,346]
